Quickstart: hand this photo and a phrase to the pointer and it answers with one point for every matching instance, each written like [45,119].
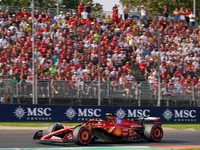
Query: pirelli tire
[54,127]
[153,133]
[82,135]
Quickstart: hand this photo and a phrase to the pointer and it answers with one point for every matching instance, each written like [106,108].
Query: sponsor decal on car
[117,132]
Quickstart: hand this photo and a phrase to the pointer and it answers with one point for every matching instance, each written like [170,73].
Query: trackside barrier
[74,92]
[15,8]
[71,113]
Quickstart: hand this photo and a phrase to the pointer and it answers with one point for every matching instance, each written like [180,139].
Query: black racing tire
[82,135]
[153,133]
[54,127]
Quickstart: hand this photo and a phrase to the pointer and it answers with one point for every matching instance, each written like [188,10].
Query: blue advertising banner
[71,113]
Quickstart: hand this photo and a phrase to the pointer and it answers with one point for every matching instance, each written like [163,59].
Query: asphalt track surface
[23,139]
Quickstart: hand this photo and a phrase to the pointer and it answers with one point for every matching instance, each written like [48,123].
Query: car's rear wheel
[54,127]
[153,133]
[82,135]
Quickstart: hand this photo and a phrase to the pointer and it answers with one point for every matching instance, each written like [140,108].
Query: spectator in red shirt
[187,13]
[25,14]
[47,19]
[80,9]
[115,16]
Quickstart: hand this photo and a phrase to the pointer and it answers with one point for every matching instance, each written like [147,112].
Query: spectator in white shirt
[103,27]
[192,19]
[23,23]
[114,73]
[61,16]
[196,64]
[84,15]
[115,55]
[98,19]
[86,70]
[3,41]
[93,55]
[130,76]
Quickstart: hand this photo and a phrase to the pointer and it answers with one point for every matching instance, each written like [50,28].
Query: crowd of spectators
[66,46]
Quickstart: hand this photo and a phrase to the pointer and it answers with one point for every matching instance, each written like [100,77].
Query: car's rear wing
[154,119]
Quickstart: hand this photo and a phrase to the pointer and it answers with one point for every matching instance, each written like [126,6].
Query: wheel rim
[157,133]
[85,135]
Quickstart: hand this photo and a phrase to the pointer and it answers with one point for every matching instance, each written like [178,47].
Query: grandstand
[66,50]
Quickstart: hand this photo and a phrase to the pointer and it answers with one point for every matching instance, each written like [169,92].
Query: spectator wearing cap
[70,21]
[75,76]
[80,9]
[143,13]
[61,16]
[47,19]
[98,19]
[67,16]
[165,13]
[115,16]
[109,20]
[114,73]
[74,16]
[25,14]
[27,28]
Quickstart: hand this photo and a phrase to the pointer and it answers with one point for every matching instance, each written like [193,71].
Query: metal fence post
[48,92]
[11,92]
[139,102]
[193,95]
[108,93]
[139,95]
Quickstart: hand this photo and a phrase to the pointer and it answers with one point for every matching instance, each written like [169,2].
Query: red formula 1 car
[110,131]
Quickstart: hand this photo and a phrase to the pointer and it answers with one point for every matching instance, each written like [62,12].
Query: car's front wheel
[82,135]
[153,133]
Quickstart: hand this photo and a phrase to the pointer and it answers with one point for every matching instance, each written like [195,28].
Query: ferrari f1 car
[111,130]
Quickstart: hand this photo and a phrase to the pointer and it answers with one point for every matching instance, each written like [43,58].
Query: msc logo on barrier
[33,113]
[82,114]
[120,113]
[70,113]
[19,112]
[168,114]
[180,115]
